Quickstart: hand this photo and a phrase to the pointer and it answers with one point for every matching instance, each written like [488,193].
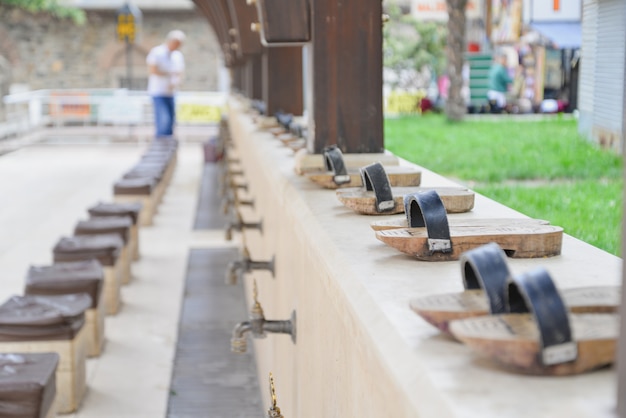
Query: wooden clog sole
[398,177]
[401,223]
[439,310]
[455,199]
[518,240]
[513,340]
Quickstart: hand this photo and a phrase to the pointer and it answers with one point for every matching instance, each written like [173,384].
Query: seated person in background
[499,81]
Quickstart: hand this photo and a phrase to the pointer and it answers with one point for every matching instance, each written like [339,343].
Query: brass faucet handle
[257,310]
[255,292]
[274,411]
[272,390]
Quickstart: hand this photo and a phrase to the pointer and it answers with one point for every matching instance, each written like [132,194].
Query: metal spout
[233,272]
[240,225]
[259,327]
[231,199]
[236,269]
[238,343]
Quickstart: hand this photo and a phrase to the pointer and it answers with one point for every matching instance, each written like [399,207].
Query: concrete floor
[44,191]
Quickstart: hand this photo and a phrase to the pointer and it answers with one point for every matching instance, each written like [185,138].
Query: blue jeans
[164,115]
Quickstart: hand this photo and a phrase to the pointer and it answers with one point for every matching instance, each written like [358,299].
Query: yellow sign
[126,27]
[401,103]
[198,113]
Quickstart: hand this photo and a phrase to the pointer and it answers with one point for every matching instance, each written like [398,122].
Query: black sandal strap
[486,268]
[375,179]
[425,209]
[333,159]
[536,293]
[284,119]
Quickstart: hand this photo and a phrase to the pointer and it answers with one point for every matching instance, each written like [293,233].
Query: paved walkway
[44,191]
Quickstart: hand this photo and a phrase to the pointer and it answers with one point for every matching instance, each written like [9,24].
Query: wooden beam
[345,65]
[282,80]
[284,21]
[217,22]
[243,15]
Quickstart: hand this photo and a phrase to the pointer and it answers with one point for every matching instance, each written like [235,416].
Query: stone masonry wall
[48,53]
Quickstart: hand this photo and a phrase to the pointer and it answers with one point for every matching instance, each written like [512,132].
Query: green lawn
[540,168]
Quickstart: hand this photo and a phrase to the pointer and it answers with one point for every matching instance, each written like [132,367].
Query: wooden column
[249,46]
[282,80]
[254,76]
[236,77]
[345,101]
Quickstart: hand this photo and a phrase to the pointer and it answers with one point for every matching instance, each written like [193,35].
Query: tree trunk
[455,105]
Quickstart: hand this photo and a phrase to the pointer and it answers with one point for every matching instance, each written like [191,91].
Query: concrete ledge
[361,351]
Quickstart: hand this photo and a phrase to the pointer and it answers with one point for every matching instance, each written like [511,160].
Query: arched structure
[341,43]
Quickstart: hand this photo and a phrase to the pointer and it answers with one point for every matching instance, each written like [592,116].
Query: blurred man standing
[166,65]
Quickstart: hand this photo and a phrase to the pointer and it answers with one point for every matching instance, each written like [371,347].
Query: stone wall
[47,53]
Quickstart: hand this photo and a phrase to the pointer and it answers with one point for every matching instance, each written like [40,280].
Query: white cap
[177,35]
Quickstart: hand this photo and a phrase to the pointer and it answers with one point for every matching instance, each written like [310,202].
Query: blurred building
[603,60]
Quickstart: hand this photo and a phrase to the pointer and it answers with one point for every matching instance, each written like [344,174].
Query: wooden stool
[121,209]
[111,225]
[155,171]
[104,248]
[166,157]
[137,190]
[28,384]
[71,278]
[43,324]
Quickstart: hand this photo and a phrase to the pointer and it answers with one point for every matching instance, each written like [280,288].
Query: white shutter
[588,59]
[609,65]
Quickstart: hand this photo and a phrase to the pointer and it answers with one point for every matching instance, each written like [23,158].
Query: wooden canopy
[267,45]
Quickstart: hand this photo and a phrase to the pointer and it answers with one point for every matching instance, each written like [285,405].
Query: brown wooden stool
[104,248]
[121,209]
[137,190]
[28,384]
[42,324]
[111,225]
[72,278]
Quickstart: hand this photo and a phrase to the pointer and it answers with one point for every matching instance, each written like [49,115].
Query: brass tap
[231,199]
[239,225]
[236,269]
[258,326]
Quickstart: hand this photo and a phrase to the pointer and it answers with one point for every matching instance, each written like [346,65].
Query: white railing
[119,107]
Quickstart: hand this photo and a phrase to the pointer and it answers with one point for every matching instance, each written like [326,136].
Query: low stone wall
[48,53]
[360,351]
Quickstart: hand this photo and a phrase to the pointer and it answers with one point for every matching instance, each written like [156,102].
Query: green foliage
[543,169]
[412,45]
[492,151]
[48,6]
[589,210]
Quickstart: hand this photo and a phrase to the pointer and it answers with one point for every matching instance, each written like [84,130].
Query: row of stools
[47,333]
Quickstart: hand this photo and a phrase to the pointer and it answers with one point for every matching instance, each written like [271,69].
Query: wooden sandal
[432,238]
[403,222]
[337,174]
[485,273]
[377,197]
[539,336]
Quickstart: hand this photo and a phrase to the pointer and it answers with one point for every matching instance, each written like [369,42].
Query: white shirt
[166,61]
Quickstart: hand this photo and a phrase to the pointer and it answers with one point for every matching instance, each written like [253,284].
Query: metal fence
[105,107]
